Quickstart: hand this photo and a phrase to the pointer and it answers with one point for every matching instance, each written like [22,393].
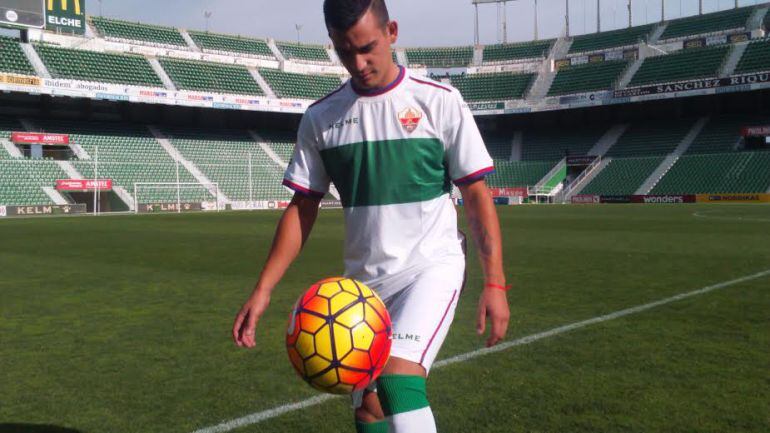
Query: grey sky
[422,22]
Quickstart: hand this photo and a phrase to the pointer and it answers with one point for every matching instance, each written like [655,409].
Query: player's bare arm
[485,230]
[290,235]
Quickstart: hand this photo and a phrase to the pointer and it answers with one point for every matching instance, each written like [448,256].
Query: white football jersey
[392,155]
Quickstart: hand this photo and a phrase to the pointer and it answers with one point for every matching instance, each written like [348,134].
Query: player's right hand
[246,320]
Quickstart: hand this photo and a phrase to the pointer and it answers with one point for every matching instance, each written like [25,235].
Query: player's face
[364,50]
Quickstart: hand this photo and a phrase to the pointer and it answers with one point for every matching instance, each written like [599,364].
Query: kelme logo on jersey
[410,118]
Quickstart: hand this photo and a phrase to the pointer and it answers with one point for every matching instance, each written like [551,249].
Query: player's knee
[365,416]
[370,410]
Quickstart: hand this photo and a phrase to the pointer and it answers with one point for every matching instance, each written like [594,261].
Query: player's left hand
[493,304]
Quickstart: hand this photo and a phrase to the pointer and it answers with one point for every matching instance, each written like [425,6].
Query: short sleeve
[306,173]
[466,154]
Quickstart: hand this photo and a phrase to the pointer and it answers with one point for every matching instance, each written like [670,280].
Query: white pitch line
[705,215]
[265,415]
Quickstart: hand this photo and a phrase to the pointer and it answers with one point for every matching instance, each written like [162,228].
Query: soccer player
[391,142]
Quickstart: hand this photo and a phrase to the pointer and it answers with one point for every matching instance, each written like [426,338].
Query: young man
[391,142]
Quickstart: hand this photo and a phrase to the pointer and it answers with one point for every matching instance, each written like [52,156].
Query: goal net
[176,197]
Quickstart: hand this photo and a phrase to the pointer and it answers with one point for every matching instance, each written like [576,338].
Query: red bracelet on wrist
[498,286]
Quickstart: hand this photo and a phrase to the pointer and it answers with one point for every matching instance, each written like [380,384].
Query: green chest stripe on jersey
[373,173]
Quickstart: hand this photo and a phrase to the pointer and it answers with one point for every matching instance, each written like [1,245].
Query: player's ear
[391,30]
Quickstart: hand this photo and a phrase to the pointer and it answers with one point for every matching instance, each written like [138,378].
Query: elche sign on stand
[67,16]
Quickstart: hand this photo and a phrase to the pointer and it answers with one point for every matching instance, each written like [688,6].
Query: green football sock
[401,393]
[372,427]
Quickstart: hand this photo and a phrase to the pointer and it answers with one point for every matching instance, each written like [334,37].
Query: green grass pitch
[121,324]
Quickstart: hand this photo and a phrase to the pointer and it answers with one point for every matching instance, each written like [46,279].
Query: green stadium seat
[231,44]
[518,173]
[610,39]
[736,172]
[548,144]
[224,157]
[157,35]
[13,59]
[766,22]
[7,126]
[128,154]
[498,144]
[489,87]
[510,52]
[756,58]
[99,67]
[708,23]
[299,86]
[623,176]
[722,133]
[683,65]
[210,77]
[443,57]
[588,77]
[282,143]
[651,138]
[303,52]
[22,181]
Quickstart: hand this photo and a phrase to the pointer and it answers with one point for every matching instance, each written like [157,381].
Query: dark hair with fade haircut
[341,15]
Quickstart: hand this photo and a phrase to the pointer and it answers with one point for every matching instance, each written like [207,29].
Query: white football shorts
[422,312]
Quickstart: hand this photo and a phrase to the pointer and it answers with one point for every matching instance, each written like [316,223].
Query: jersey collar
[381,90]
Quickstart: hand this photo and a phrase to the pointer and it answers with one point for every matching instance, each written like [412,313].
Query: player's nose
[361,63]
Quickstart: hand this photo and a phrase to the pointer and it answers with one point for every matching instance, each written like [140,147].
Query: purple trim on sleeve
[476,175]
[302,190]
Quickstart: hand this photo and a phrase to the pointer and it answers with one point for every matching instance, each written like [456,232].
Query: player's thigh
[421,315]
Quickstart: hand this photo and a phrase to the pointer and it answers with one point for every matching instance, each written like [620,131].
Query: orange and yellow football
[339,336]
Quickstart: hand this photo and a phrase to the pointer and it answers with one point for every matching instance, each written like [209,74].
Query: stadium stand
[312,53]
[128,154]
[721,134]
[300,86]
[23,181]
[687,64]
[8,125]
[708,23]
[588,77]
[510,52]
[100,67]
[766,22]
[610,39]
[756,57]
[12,58]
[556,143]
[231,44]
[145,33]
[224,157]
[651,138]
[737,172]
[440,57]
[498,144]
[488,87]
[281,142]
[518,173]
[210,77]
[623,176]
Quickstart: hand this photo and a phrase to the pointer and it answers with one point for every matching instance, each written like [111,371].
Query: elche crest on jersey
[409,118]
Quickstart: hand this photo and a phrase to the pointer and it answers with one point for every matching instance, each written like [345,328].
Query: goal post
[174,196]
